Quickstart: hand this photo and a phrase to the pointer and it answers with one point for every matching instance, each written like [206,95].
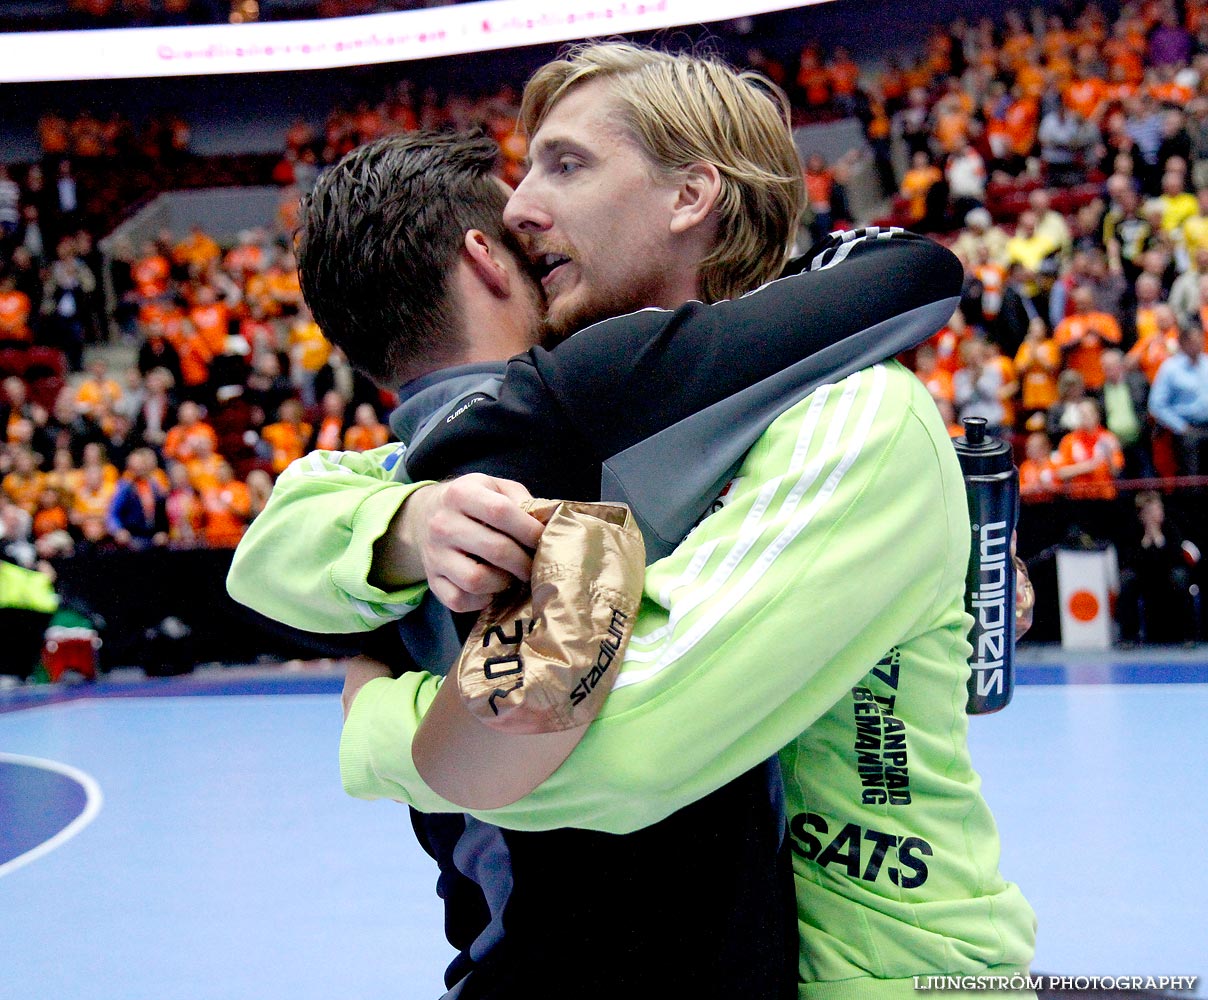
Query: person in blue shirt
[1179,399]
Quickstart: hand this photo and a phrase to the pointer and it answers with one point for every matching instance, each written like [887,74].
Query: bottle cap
[981,454]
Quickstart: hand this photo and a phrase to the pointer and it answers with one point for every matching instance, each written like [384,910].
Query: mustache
[539,247]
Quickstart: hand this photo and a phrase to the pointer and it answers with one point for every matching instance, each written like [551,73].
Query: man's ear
[696,194]
[486,262]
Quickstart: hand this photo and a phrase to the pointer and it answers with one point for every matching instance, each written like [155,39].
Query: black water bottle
[992,486]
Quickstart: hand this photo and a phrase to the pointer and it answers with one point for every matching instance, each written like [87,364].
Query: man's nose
[524,212]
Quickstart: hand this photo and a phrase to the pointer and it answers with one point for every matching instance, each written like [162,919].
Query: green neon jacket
[820,610]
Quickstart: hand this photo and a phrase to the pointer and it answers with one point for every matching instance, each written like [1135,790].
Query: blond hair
[684,109]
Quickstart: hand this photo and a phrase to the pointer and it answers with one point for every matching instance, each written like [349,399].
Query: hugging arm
[558,415]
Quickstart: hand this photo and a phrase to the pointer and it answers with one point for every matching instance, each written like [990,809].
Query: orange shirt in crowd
[844,76]
[939,52]
[197,249]
[358,438]
[203,472]
[1171,92]
[15,420]
[109,477]
[14,316]
[227,508]
[915,185]
[23,490]
[939,384]
[951,128]
[879,126]
[195,355]
[1031,80]
[246,257]
[330,434]
[1083,446]
[1006,370]
[307,345]
[813,79]
[918,75]
[164,314]
[151,275]
[1015,49]
[1083,337]
[1118,93]
[993,278]
[1085,95]
[818,187]
[1038,481]
[63,480]
[1020,124]
[947,344]
[283,286]
[1124,58]
[1151,350]
[288,442]
[1147,322]
[49,519]
[54,133]
[893,84]
[87,503]
[180,443]
[257,291]
[1056,40]
[1061,69]
[93,396]
[1038,364]
[211,323]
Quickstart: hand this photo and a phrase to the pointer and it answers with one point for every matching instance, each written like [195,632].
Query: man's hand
[468,538]
[359,671]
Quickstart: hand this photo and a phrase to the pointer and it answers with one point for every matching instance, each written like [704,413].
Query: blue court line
[46,803]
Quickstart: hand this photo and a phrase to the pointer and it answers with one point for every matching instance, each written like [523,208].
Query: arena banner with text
[125,53]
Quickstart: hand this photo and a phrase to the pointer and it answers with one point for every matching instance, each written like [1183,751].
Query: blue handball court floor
[187,839]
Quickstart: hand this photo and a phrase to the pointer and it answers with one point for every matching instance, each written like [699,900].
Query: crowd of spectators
[403,108]
[232,381]
[1064,159]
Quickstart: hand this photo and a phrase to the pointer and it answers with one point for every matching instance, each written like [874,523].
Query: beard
[594,309]
[589,305]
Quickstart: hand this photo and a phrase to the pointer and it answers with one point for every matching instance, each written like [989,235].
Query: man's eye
[568,166]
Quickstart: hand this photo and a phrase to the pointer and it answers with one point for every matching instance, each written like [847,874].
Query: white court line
[92,806]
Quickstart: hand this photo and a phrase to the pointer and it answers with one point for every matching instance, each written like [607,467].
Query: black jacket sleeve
[561,413]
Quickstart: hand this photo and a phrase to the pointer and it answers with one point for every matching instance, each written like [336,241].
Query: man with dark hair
[556,421]
[138,515]
[450,186]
